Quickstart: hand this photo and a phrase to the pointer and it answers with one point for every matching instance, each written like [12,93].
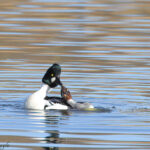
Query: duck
[68,100]
[38,100]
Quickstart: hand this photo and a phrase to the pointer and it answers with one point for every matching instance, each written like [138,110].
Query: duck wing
[54,99]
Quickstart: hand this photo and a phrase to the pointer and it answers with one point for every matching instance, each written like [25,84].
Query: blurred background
[103,47]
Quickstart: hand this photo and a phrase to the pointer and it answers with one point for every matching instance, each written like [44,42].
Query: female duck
[67,98]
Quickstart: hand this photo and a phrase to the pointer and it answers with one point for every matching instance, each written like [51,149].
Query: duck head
[52,76]
[65,93]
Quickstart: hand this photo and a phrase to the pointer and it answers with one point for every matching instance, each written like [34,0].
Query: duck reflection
[50,121]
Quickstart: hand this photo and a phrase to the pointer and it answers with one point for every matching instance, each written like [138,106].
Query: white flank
[58,107]
[36,100]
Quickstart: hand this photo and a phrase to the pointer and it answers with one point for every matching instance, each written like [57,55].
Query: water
[104,51]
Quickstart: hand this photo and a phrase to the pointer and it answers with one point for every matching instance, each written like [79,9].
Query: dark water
[104,50]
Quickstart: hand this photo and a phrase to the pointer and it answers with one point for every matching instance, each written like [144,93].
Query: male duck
[38,99]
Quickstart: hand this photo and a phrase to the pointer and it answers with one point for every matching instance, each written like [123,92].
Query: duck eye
[52,75]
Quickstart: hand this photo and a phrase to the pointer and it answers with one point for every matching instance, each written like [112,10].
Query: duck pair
[39,99]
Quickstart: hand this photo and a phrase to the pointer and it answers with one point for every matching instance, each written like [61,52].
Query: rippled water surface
[104,51]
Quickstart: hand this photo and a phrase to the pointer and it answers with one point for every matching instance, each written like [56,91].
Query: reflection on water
[103,48]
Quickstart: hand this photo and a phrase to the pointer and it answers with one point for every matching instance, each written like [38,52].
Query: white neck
[71,102]
[44,89]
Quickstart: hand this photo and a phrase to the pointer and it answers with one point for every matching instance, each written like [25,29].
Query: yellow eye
[52,74]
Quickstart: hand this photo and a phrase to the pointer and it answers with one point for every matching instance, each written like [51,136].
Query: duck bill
[59,82]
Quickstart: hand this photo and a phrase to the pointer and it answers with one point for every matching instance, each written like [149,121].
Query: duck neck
[71,102]
[44,89]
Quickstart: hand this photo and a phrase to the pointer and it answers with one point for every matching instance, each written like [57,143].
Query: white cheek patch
[53,79]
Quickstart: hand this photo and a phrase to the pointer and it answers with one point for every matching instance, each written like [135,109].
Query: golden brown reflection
[47,32]
[101,35]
